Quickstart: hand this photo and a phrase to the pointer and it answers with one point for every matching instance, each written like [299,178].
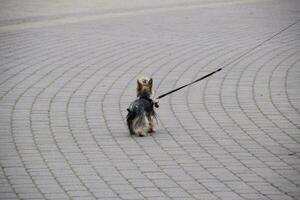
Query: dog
[141,117]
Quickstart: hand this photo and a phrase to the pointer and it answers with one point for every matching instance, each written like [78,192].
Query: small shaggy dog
[141,117]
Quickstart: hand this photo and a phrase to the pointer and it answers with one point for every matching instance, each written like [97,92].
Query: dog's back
[138,112]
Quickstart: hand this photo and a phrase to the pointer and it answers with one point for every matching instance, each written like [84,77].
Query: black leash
[234,60]
[195,81]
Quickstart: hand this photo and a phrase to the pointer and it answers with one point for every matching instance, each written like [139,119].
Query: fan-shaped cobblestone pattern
[65,88]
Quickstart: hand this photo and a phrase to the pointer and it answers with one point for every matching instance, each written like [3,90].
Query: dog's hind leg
[141,134]
[138,127]
[139,131]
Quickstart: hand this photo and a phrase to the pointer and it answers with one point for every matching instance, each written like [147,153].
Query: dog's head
[144,87]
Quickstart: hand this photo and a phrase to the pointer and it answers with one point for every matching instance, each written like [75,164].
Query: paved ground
[66,81]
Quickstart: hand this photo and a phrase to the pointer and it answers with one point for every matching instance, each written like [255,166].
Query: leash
[233,61]
[195,81]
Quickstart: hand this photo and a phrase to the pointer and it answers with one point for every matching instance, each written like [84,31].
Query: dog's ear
[138,81]
[150,81]
[139,84]
[138,88]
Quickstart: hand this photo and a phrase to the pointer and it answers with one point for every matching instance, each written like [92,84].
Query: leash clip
[155,103]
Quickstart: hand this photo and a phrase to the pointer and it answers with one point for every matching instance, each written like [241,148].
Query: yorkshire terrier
[141,117]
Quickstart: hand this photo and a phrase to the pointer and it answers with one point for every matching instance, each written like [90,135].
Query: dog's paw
[141,134]
[151,130]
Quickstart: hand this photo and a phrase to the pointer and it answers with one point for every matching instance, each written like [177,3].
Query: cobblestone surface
[65,87]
